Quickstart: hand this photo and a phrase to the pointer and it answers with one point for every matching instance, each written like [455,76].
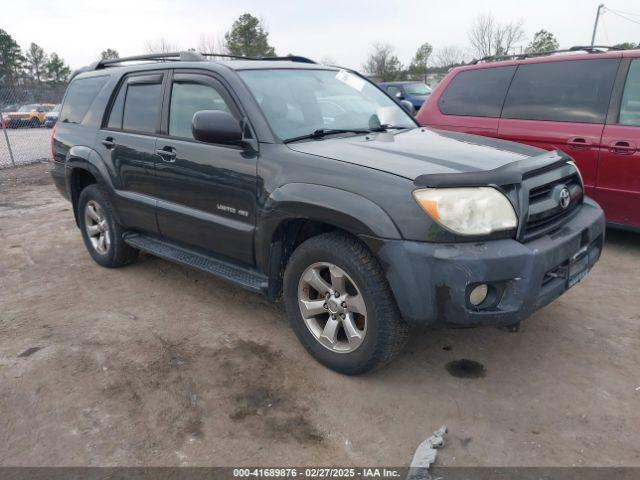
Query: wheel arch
[296,212]
[84,167]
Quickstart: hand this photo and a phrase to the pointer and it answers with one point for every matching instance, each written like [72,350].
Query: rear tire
[355,330]
[101,233]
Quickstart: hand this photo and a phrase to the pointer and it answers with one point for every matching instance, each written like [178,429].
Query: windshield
[27,108]
[298,102]
[417,89]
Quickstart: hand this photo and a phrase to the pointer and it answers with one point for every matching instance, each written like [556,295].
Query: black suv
[309,182]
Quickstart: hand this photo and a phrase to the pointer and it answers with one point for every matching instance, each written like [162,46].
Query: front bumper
[431,281]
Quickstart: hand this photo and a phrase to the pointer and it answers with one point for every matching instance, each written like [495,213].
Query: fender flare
[346,210]
[85,158]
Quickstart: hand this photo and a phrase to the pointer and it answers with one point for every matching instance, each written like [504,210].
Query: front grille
[545,214]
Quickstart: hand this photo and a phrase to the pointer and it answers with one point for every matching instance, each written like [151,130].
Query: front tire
[340,306]
[101,233]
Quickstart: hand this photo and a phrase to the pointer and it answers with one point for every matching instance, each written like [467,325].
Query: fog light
[478,294]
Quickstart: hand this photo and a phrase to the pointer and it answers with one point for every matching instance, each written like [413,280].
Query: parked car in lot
[30,115]
[584,104]
[51,117]
[414,92]
[4,113]
[310,184]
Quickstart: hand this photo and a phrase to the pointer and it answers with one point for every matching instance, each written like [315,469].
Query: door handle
[168,154]
[108,143]
[578,143]
[622,147]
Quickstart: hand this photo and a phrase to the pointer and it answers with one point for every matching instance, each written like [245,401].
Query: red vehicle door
[618,190]
[561,104]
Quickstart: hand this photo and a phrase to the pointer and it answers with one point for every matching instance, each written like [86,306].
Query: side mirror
[408,106]
[398,95]
[216,126]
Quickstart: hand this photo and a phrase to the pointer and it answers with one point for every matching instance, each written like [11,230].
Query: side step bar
[244,277]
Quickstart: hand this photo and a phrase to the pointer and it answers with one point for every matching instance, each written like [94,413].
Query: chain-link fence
[28,111]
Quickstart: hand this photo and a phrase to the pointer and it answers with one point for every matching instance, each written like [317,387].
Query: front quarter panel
[361,200]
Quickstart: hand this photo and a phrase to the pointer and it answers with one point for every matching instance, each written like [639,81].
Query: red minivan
[585,104]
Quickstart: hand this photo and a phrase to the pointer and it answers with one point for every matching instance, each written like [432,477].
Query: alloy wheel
[97,227]
[332,307]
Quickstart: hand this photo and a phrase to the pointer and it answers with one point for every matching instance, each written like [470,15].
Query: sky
[339,30]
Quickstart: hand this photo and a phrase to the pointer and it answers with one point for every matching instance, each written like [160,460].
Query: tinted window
[630,106]
[80,95]
[141,107]
[570,91]
[477,93]
[115,117]
[187,99]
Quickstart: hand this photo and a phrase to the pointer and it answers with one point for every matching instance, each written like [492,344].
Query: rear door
[618,189]
[206,192]
[471,101]
[127,143]
[561,105]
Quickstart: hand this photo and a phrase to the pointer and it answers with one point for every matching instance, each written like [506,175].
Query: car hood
[420,151]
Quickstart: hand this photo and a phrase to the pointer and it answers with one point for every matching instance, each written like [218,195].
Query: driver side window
[394,91]
[186,100]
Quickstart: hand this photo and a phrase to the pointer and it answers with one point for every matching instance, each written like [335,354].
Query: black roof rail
[522,56]
[157,57]
[187,56]
[289,58]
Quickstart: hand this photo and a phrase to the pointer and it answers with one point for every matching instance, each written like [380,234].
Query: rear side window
[115,117]
[80,95]
[477,93]
[567,91]
[630,106]
[142,105]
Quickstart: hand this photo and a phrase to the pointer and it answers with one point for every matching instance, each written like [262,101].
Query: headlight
[468,210]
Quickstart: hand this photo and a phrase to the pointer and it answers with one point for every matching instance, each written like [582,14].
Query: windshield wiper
[387,126]
[323,132]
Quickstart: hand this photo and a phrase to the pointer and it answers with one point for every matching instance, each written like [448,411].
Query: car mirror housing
[407,105]
[216,126]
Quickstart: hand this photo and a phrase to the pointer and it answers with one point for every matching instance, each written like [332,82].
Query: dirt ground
[155,364]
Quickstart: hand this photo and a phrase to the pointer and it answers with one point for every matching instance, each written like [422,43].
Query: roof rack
[522,56]
[191,57]
[188,56]
[289,58]
[151,57]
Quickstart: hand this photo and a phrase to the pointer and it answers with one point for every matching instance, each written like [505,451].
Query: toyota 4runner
[309,183]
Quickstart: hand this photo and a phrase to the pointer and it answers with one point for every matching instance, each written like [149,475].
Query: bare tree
[383,64]
[208,44]
[489,38]
[161,46]
[448,56]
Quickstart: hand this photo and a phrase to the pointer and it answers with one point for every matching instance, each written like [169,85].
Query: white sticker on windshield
[350,79]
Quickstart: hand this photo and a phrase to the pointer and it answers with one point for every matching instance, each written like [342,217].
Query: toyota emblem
[565,198]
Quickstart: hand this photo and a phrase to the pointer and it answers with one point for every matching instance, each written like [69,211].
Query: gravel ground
[155,364]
